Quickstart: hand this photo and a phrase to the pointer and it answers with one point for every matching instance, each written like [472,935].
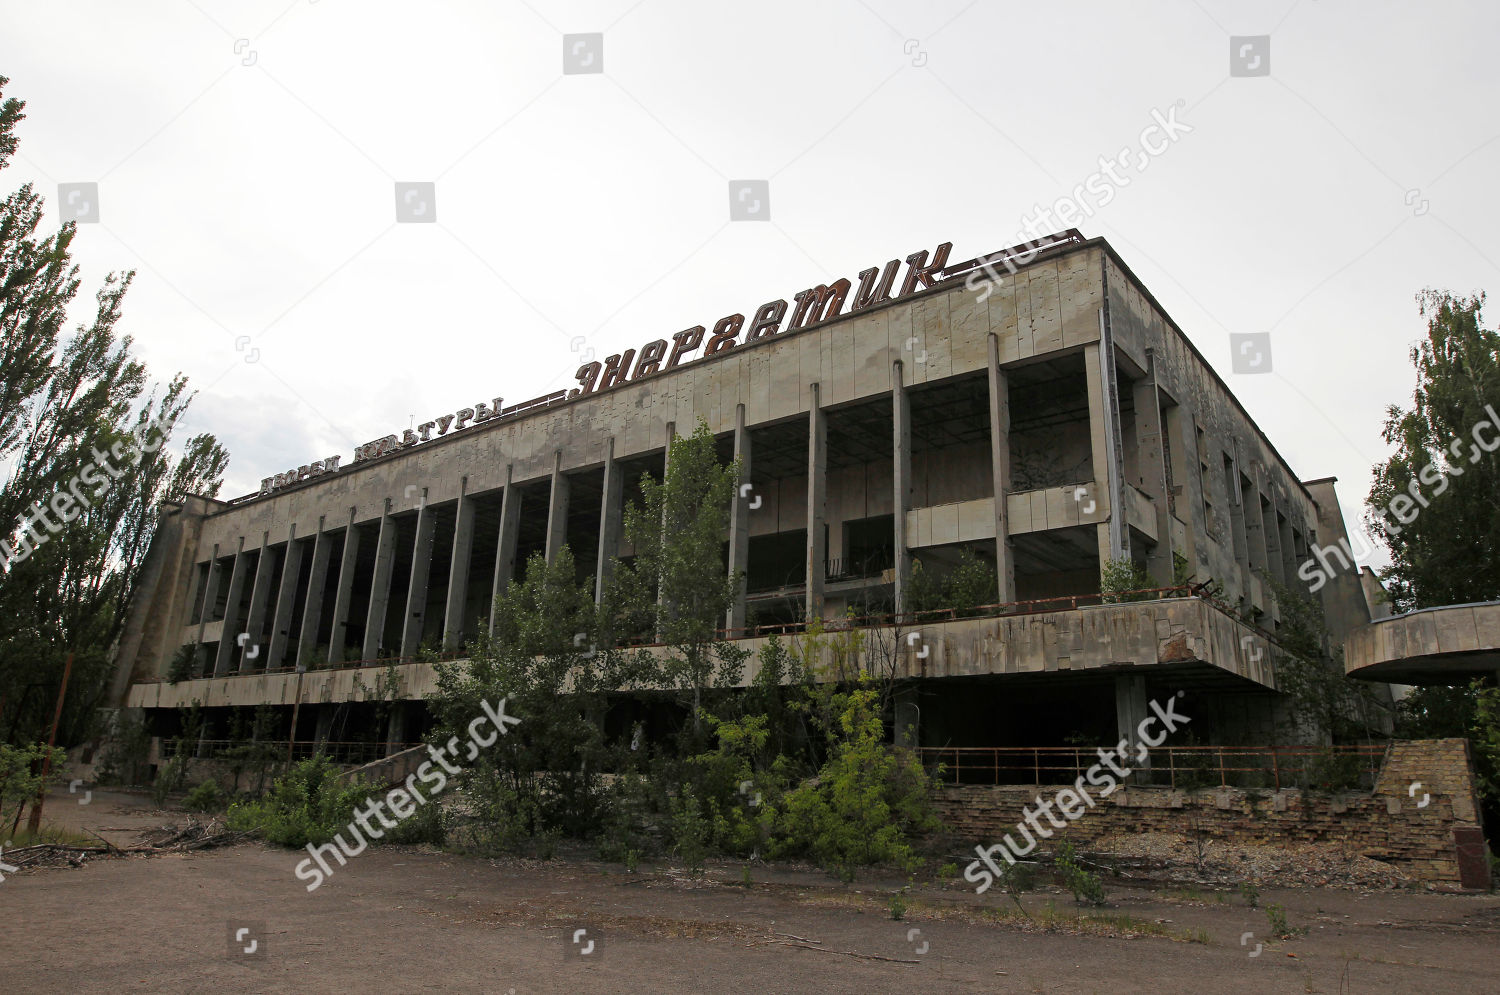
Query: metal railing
[1171,766]
[348,753]
[1038,606]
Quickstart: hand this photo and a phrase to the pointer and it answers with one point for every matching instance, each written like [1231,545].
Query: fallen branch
[849,953]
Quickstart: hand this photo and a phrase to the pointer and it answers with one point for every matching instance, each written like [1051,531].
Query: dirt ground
[410,920]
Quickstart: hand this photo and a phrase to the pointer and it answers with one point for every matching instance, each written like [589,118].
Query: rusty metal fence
[1269,767]
[230,750]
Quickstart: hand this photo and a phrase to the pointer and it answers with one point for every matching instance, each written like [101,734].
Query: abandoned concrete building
[1036,406]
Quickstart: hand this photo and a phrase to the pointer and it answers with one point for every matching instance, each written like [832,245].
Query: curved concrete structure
[1443,645]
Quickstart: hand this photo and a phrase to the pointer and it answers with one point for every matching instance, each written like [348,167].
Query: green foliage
[972,582]
[206,797]
[1484,732]
[309,804]
[544,775]
[868,800]
[1182,570]
[181,668]
[690,830]
[428,824]
[1125,575]
[1084,884]
[170,777]
[1017,879]
[1250,893]
[1325,704]
[898,905]
[1276,917]
[21,777]
[124,748]
[1449,551]
[62,397]
[677,590]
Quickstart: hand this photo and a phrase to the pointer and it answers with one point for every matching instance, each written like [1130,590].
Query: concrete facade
[1046,423]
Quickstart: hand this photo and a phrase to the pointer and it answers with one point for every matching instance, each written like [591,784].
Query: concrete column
[1005,555]
[1288,547]
[286,597]
[1275,561]
[224,660]
[1187,481]
[510,530]
[739,522]
[458,570]
[611,519]
[557,509]
[1255,522]
[416,590]
[252,654]
[1130,710]
[902,480]
[312,607]
[817,503]
[380,584]
[1151,468]
[338,635]
[1104,418]
[210,598]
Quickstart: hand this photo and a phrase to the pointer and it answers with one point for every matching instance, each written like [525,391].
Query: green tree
[868,801]
[678,585]
[63,403]
[1445,548]
[544,777]
[1447,552]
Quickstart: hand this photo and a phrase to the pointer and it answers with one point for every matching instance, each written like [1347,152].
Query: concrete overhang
[1188,636]
[1446,645]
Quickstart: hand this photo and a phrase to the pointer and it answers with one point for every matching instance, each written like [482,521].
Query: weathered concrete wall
[1435,643]
[161,606]
[1137,323]
[1139,634]
[1386,824]
[1049,310]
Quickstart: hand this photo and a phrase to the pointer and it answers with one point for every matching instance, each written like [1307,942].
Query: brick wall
[1387,824]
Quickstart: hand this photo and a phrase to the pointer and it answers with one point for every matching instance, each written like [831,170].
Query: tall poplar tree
[61,399]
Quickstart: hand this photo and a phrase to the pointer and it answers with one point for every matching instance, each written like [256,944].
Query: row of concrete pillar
[242,652]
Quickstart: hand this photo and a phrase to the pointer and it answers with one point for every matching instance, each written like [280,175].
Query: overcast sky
[247,156]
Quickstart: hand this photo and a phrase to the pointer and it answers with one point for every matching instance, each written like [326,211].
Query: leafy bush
[309,804]
[1276,916]
[690,830]
[1084,884]
[123,752]
[428,824]
[182,666]
[1124,574]
[868,800]
[206,797]
[170,777]
[898,905]
[21,779]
